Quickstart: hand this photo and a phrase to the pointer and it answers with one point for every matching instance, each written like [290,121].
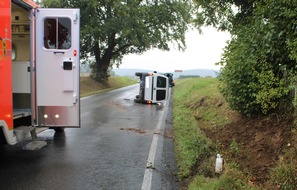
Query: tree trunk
[100,68]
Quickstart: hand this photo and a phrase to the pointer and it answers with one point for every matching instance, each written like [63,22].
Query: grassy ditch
[258,153]
[191,143]
[198,105]
[89,87]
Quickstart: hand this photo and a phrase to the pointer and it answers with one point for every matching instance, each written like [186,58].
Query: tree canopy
[111,29]
[260,59]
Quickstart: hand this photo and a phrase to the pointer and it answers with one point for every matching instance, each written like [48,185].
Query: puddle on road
[139,131]
[166,134]
[117,106]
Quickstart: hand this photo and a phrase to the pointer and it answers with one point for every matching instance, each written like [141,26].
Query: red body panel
[6,109]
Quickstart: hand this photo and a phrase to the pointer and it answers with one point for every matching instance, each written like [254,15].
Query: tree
[250,84]
[224,14]
[111,29]
[260,60]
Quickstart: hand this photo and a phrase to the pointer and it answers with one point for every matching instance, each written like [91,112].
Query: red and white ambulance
[39,69]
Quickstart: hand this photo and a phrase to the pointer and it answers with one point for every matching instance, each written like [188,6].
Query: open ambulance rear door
[55,67]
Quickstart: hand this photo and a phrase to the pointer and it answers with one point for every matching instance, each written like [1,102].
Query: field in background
[89,87]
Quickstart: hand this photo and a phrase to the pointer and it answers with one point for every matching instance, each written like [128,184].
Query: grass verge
[200,111]
[191,144]
[284,175]
[198,104]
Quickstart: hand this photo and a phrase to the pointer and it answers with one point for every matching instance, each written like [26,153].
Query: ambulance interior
[20,28]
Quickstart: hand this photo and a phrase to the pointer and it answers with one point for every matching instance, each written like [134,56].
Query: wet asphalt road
[110,151]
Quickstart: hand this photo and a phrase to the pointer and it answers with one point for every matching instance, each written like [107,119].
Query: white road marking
[148,174]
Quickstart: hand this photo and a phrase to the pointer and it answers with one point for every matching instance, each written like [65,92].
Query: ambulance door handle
[56,52]
[74,99]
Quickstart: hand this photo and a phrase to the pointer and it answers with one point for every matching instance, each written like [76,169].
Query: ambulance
[39,69]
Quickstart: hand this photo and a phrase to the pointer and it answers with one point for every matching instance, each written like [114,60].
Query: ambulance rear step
[24,132]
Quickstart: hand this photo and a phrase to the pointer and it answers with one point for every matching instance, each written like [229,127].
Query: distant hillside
[128,72]
[199,72]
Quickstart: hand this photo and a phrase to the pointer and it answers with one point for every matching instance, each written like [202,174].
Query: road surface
[121,145]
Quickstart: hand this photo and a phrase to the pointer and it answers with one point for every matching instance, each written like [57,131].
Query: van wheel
[138,74]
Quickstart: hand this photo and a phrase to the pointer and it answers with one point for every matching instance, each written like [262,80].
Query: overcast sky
[203,51]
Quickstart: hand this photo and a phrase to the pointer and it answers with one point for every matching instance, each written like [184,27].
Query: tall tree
[111,29]
[225,14]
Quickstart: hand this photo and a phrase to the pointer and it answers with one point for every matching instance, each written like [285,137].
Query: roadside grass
[231,179]
[284,175]
[191,144]
[199,107]
[89,87]
[198,104]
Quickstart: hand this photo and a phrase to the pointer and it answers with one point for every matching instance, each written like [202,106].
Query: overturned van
[153,88]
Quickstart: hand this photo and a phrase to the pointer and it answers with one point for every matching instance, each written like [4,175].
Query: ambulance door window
[57,33]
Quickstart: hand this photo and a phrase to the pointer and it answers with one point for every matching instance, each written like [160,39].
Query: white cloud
[203,51]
